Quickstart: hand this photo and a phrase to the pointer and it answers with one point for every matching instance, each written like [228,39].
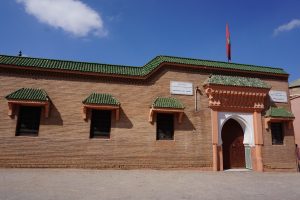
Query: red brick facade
[63,138]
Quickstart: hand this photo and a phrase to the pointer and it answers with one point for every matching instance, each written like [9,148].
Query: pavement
[73,184]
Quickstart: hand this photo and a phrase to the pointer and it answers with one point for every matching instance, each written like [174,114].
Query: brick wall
[64,141]
[280,157]
[295,102]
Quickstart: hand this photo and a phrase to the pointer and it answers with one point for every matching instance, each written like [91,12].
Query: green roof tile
[31,94]
[198,62]
[96,98]
[167,102]
[128,70]
[278,112]
[295,83]
[236,81]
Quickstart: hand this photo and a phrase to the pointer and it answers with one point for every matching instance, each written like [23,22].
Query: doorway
[233,147]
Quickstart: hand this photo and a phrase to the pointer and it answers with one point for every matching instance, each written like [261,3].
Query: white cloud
[72,16]
[295,23]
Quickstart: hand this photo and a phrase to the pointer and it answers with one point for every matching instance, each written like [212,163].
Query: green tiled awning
[101,98]
[236,81]
[30,94]
[279,112]
[167,102]
[43,63]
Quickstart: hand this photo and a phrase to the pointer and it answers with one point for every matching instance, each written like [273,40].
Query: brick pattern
[63,139]
[279,157]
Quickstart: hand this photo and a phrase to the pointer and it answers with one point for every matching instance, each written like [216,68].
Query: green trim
[236,81]
[104,99]
[128,70]
[31,94]
[279,112]
[167,102]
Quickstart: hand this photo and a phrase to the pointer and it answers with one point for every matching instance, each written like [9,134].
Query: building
[295,103]
[170,113]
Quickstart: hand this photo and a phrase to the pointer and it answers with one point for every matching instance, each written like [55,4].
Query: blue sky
[131,32]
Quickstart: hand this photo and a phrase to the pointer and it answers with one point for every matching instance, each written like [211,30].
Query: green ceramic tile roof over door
[31,94]
[101,98]
[236,81]
[167,102]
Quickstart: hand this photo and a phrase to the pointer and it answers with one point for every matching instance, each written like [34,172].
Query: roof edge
[148,68]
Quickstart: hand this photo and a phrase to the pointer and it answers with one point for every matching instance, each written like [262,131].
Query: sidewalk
[56,184]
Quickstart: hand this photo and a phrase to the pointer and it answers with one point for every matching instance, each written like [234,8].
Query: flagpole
[228,44]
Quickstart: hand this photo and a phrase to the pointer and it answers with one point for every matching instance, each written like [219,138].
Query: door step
[237,170]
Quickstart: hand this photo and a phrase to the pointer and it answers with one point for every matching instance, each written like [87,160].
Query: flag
[228,44]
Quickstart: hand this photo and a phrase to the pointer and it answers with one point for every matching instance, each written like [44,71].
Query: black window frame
[277,132]
[164,126]
[29,118]
[100,126]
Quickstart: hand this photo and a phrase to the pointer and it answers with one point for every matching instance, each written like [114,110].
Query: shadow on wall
[54,117]
[124,121]
[186,124]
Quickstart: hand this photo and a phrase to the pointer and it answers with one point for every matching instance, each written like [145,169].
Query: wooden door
[233,147]
[237,153]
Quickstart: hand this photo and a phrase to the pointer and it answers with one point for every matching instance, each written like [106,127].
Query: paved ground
[73,184]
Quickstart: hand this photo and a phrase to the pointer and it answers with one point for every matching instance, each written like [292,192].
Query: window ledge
[166,110]
[100,107]
[268,120]
[13,103]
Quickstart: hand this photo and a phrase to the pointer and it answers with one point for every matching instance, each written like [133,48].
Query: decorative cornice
[235,98]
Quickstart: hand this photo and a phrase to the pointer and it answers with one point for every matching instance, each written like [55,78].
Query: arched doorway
[233,147]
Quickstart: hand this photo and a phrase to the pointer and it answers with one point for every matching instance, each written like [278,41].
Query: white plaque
[278,96]
[184,88]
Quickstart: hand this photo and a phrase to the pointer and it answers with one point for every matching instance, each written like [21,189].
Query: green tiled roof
[128,70]
[278,112]
[167,102]
[236,81]
[295,83]
[31,94]
[96,98]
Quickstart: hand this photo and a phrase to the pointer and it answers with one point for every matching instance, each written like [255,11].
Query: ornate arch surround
[244,119]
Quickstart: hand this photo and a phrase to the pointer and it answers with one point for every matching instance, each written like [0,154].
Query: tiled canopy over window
[28,97]
[167,105]
[101,101]
[275,114]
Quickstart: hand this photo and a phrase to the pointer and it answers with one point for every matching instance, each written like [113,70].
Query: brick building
[170,113]
[295,105]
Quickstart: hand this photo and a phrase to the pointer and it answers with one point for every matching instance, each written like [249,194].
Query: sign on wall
[278,96]
[184,88]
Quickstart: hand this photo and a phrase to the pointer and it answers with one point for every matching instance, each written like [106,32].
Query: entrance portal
[233,147]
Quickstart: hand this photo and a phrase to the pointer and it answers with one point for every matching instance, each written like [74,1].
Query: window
[165,126]
[28,121]
[277,133]
[100,124]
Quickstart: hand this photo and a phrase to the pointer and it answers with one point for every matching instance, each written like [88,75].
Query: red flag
[228,43]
